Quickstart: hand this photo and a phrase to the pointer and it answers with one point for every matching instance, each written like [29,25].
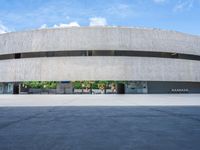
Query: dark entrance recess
[16,89]
[17,56]
[120,88]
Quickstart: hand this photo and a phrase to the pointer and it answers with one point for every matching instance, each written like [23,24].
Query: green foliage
[40,84]
[94,84]
[76,84]
[82,84]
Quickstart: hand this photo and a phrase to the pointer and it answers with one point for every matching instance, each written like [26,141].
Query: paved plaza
[102,122]
[100,100]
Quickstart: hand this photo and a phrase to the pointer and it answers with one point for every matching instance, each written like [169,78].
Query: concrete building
[152,60]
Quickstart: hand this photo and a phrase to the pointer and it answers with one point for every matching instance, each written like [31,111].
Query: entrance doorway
[16,89]
[120,88]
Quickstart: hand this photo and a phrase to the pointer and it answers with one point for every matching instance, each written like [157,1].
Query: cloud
[71,24]
[44,26]
[61,25]
[98,21]
[183,5]
[95,21]
[3,29]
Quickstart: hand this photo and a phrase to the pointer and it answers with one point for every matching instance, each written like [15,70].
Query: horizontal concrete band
[99,53]
[99,38]
[99,68]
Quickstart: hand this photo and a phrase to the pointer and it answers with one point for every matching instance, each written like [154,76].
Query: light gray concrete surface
[99,68]
[99,128]
[100,100]
[99,38]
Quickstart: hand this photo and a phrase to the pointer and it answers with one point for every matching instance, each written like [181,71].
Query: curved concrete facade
[99,67]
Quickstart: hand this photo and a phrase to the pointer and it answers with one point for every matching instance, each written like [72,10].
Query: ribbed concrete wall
[99,38]
[99,68]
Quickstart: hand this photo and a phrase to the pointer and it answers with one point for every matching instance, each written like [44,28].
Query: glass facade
[6,88]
